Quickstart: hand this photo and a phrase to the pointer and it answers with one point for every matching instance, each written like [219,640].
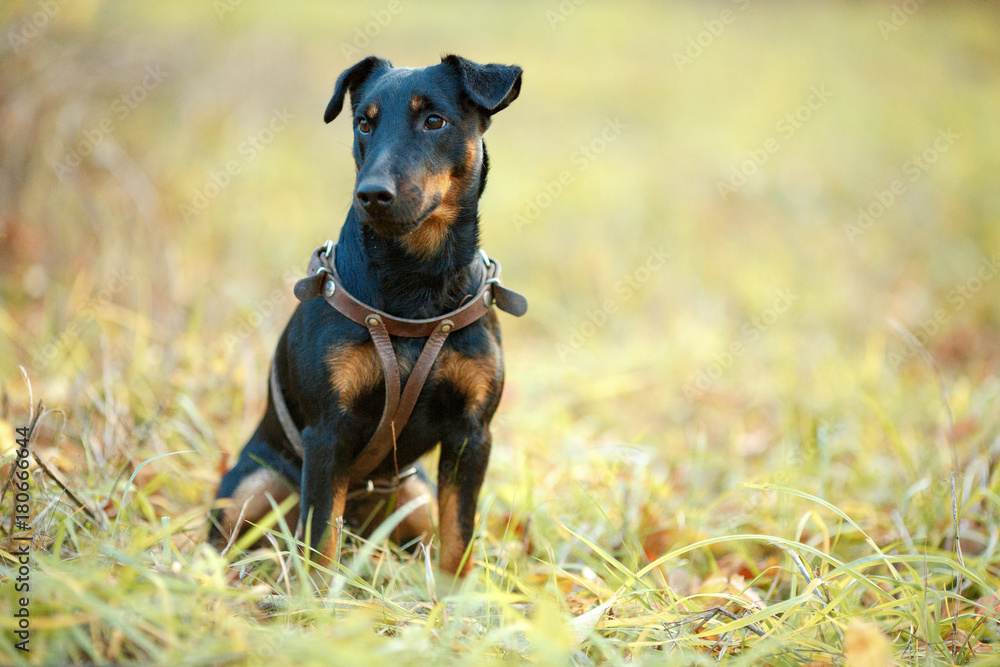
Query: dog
[407,300]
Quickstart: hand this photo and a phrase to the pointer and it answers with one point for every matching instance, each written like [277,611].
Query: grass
[761,403]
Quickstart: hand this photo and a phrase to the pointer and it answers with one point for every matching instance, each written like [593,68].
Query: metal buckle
[327,248]
[486,258]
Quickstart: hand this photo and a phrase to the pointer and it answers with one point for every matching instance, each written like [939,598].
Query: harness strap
[369,486]
[384,439]
[287,425]
[322,279]
[384,432]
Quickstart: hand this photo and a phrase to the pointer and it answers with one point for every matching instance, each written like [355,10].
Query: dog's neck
[388,275]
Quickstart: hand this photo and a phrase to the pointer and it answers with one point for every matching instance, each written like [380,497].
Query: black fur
[398,160]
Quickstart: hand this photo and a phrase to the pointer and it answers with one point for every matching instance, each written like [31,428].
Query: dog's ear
[349,81]
[492,87]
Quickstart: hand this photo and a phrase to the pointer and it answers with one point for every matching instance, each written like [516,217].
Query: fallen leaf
[960,642]
[735,564]
[583,625]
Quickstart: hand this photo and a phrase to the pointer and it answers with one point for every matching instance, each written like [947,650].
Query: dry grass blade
[912,340]
[97,519]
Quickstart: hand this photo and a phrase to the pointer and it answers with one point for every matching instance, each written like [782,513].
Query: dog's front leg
[461,470]
[324,493]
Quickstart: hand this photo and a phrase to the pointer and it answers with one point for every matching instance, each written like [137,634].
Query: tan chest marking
[474,377]
[356,369]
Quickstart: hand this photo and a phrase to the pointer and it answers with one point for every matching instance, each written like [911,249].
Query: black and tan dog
[407,264]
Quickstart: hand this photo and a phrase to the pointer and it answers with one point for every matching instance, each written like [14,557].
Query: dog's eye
[435,122]
[363,125]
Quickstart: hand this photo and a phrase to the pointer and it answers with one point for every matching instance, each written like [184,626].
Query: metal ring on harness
[383,487]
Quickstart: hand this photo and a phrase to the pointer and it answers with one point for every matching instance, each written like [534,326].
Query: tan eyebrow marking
[371,110]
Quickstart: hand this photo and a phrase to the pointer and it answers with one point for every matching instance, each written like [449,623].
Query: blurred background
[743,228]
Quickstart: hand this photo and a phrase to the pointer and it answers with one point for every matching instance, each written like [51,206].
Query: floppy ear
[349,81]
[492,86]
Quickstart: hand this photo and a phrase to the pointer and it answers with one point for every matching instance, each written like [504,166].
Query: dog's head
[418,137]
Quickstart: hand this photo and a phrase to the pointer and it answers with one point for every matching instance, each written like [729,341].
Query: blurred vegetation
[751,397]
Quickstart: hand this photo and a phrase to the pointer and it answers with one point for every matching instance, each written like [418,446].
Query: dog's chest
[461,380]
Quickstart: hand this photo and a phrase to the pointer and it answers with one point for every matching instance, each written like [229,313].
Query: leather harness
[322,278]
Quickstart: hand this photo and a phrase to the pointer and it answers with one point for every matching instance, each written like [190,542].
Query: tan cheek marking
[474,377]
[439,182]
[426,240]
[253,492]
[471,155]
[452,545]
[353,370]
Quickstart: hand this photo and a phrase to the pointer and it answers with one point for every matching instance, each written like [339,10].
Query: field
[760,372]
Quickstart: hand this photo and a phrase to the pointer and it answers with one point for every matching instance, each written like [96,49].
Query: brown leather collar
[322,279]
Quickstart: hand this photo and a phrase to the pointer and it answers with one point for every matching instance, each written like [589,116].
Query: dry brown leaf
[734,564]
[961,642]
[564,583]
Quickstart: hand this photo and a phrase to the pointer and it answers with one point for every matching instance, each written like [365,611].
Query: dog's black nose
[375,196]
